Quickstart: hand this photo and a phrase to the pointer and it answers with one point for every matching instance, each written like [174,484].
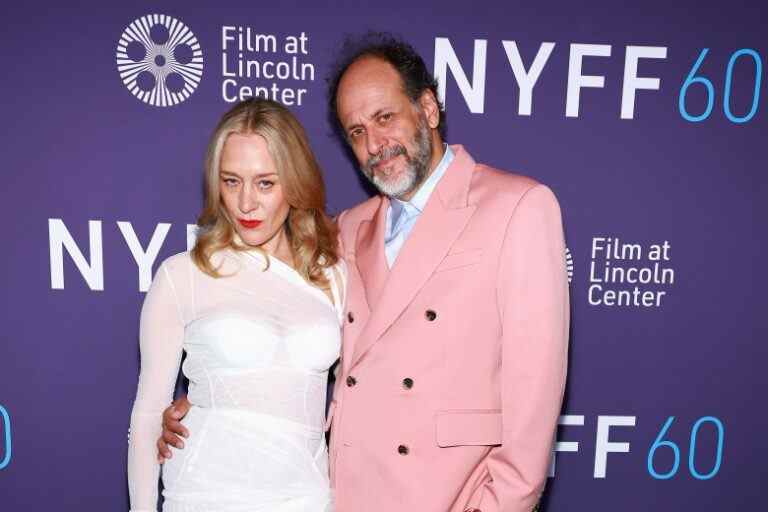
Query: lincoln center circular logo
[159,60]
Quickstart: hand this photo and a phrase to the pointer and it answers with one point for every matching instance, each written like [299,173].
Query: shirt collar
[420,198]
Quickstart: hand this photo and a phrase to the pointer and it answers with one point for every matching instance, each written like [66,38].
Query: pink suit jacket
[453,363]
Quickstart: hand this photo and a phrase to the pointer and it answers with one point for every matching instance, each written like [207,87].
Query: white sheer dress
[259,344]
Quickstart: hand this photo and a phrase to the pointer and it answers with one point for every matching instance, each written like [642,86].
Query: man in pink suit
[454,355]
[454,352]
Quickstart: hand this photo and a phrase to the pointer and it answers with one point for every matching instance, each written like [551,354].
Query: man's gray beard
[416,167]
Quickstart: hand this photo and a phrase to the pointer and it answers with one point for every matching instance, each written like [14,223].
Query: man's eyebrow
[373,116]
[379,112]
[352,127]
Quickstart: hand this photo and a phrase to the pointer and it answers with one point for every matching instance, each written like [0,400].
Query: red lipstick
[249,224]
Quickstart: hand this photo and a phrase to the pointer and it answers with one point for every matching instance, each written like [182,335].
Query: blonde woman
[256,306]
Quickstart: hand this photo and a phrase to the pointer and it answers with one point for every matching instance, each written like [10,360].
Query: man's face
[389,134]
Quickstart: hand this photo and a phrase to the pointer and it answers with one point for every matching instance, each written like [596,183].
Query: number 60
[6,420]
[660,442]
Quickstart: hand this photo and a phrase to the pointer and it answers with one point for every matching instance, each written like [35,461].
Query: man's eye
[385,117]
[355,134]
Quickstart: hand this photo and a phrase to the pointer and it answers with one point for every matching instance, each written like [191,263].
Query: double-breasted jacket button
[351,381]
[430,315]
[407,383]
[402,449]
[350,317]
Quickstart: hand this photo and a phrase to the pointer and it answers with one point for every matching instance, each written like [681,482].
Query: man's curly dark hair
[401,55]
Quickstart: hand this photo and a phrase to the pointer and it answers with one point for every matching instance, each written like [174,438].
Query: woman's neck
[280,247]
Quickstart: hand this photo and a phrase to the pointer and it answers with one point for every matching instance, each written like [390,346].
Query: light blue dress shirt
[402,215]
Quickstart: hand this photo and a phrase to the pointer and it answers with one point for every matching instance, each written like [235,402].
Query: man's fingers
[175,427]
[172,439]
[163,452]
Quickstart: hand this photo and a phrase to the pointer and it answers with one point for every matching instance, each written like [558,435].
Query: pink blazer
[454,361]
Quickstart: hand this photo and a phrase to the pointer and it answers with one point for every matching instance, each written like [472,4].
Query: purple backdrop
[677,183]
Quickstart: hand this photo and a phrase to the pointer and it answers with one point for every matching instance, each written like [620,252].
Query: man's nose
[375,141]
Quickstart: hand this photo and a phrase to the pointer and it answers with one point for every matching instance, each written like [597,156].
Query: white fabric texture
[258,346]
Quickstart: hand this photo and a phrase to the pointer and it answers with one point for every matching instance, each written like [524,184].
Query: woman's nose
[247,201]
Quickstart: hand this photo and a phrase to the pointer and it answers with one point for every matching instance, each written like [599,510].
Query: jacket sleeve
[534,309]
[161,335]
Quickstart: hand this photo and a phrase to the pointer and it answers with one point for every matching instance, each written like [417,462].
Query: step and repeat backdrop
[648,121]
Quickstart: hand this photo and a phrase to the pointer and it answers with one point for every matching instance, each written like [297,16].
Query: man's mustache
[386,154]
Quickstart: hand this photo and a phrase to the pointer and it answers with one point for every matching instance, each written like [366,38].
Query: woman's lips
[249,224]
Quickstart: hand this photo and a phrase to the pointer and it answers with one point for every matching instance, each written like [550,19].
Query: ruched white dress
[258,346]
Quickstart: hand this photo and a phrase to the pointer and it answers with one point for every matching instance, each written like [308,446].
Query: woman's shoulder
[175,267]
[179,261]
[341,266]
[337,273]
[184,262]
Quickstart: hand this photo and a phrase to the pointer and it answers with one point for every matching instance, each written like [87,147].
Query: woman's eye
[265,184]
[230,182]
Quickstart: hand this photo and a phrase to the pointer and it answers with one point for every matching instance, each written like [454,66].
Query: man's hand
[172,428]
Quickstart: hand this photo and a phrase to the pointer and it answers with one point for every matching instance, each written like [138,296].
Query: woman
[256,306]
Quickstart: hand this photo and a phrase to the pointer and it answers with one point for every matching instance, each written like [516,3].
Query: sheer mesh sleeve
[161,338]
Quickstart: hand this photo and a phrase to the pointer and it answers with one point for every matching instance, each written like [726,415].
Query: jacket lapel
[371,260]
[444,218]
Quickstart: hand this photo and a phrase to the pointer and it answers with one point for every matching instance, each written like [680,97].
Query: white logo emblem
[159,60]
[569,264]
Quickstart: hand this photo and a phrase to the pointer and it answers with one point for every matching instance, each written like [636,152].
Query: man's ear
[430,108]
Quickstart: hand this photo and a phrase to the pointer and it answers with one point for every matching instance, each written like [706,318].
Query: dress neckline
[288,272]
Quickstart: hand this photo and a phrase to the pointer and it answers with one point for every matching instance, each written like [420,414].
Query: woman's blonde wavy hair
[311,232]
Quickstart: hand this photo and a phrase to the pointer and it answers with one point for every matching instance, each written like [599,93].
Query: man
[454,351]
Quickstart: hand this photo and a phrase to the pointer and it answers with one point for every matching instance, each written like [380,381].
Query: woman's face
[251,191]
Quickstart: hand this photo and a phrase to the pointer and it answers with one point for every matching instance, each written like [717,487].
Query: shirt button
[402,449]
[407,383]
[351,381]
[430,315]
[350,317]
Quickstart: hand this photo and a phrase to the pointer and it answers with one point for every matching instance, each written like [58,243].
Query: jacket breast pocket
[460,259]
[468,427]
